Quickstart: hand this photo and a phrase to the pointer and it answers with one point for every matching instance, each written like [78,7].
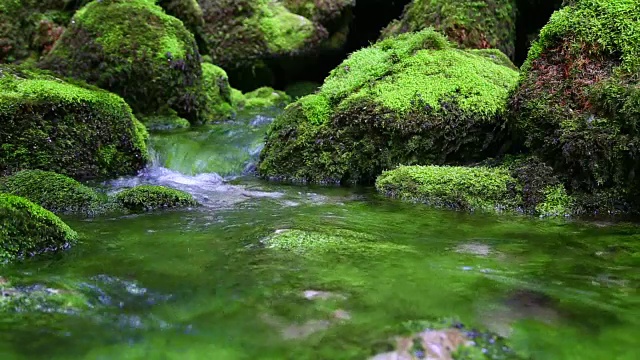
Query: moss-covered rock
[188,11]
[72,129]
[412,99]
[333,17]
[54,192]
[165,119]
[30,27]
[151,197]
[265,97]
[301,89]
[578,101]
[217,93]
[482,188]
[133,48]
[27,229]
[238,32]
[471,24]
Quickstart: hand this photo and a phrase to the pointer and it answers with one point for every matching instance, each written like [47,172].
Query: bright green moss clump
[478,188]
[578,100]
[217,93]
[151,197]
[265,97]
[72,129]
[510,187]
[471,24]
[27,229]
[54,192]
[150,59]
[412,99]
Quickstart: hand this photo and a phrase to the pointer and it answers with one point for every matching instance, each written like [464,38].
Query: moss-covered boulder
[152,197]
[133,48]
[188,11]
[30,27]
[471,24]
[578,101]
[54,192]
[265,97]
[217,93]
[333,17]
[412,99]
[27,229]
[501,188]
[72,129]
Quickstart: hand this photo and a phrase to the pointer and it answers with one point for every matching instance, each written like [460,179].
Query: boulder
[27,229]
[470,24]
[411,99]
[134,49]
[69,128]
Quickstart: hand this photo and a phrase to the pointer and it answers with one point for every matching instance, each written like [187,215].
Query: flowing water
[201,284]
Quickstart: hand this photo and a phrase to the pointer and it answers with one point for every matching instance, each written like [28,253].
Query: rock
[265,97]
[433,345]
[219,101]
[321,295]
[475,188]
[54,192]
[27,229]
[151,197]
[69,128]
[408,99]
[578,97]
[29,28]
[470,24]
[474,249]
[134,49]
[188,11]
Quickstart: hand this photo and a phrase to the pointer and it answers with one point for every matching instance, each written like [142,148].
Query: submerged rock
[133,48]
[54,192]
[409,99]
[471,24]
[70,128]
[152,197]
[27,229]
[577,102]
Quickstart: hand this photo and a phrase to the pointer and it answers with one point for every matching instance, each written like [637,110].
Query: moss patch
[413,99]
[72,129]
[217,93]
[151,197]
[579,96]
[28,229]
[265,97]
[471,24]
[54,192]
[151,59]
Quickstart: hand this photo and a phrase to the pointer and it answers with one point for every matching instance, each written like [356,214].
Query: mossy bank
[411,99]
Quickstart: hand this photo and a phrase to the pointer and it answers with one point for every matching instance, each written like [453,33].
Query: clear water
[200,284]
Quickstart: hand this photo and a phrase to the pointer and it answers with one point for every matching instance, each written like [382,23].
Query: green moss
[339,241]
[151,197]
[28,229]
[471,24]
[54,192]
[578,98]
[412,99]
[300,89]
[265,97]
[151,59]
[69,128]
[165,120]
[217,92]
[283,31]
[188,11]
[478,188]
[238,99]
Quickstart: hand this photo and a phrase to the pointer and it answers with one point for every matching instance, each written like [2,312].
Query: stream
[201,284]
